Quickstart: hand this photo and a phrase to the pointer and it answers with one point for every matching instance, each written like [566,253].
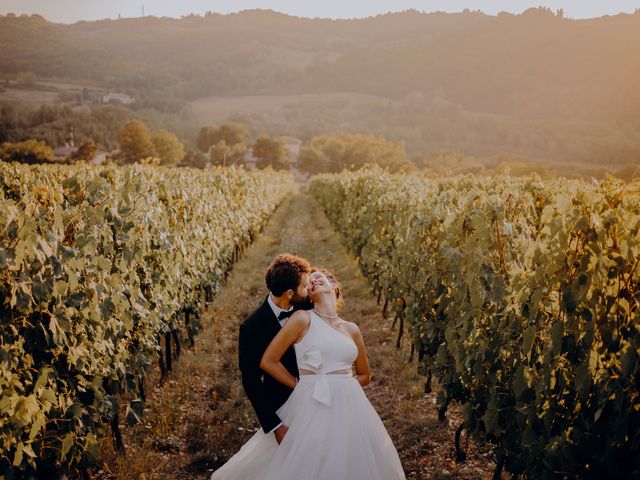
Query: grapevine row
[98,265]
[522,297]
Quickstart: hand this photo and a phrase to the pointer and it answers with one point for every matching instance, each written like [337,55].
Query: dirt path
[198,419]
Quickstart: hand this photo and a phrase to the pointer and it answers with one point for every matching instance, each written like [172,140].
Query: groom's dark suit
[265,393]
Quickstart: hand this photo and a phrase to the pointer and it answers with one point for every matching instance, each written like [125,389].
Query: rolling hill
[535,84]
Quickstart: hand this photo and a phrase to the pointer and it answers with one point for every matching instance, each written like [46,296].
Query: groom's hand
[280,432]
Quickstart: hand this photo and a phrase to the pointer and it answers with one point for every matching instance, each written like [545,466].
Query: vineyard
[102,270]
[521,298]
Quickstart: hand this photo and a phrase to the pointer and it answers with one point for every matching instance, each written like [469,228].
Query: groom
[286,279]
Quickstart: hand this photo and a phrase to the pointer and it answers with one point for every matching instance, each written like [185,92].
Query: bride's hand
[280,432]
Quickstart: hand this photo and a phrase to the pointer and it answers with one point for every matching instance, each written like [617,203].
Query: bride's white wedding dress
[334,432]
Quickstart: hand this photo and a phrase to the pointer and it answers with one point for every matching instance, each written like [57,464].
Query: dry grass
[201,417]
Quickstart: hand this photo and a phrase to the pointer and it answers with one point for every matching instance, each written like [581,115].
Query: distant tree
[135,142]
[195,159]
[628,172]
[335,152]
[223,154]
[313,160]
[231,133]
[446,162]
[272,151]
[87,151]
[203,141]
[29,151]
[237,153]
[541,11]
[168,148]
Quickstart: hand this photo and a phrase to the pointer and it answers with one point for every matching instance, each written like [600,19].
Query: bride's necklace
[325,316]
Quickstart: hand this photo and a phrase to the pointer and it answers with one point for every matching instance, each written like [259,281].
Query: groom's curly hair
[285,273]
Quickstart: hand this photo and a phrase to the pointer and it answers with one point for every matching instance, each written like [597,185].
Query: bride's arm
[363,371]
[292,331]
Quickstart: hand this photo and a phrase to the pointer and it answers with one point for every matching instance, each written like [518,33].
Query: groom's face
[301,294]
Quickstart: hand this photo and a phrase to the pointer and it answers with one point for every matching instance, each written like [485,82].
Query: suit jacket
[265,393]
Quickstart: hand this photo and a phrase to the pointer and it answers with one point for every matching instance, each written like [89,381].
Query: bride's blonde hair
[334,282]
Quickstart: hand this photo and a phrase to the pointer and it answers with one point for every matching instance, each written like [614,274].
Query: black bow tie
[285,314]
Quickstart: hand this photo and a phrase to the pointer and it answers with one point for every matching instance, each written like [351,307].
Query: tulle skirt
[343,441]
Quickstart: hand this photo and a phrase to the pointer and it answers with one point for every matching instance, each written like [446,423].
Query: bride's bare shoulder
[352,327]
[300,317]
[300,321]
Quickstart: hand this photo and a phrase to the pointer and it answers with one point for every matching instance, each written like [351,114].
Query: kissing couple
[303,368]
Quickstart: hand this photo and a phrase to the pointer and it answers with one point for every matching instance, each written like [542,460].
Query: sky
[69,11]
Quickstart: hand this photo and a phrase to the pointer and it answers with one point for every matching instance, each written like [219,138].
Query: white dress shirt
[276,311]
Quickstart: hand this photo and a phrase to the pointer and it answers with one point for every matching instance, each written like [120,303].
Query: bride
[332,430]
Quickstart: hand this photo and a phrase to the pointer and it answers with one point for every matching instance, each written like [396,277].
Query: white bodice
[323,349]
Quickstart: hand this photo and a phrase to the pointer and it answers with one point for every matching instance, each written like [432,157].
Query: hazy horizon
[69,11]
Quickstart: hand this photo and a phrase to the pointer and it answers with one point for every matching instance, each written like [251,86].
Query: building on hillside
[65,153]
[249,159]
[116,97]
[100,157]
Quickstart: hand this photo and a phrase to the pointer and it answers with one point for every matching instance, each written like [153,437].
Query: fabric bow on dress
[321,391]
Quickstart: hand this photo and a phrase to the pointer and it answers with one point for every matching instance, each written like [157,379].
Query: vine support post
[141,389]
[167,354]
[400,331]
[175,333]
[461,455]
[497,473]
[384,308]
[161,362]
[118,445]
[427,383]
[442,411]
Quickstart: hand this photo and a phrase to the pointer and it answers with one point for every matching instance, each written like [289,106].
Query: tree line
[234,143]
[229,144]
